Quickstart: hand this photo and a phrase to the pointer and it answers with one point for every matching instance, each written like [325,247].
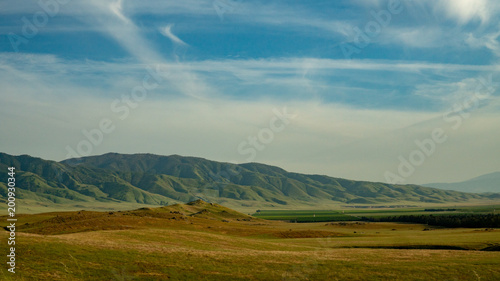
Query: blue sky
[366,79]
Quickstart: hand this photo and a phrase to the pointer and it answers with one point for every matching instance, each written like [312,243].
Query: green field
[357,214]
[303,215]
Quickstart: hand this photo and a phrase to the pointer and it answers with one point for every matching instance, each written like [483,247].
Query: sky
[387,91]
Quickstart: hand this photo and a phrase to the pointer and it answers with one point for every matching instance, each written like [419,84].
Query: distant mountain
[485,183]
[160,180]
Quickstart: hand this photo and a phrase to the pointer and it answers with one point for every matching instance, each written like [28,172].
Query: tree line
[463,220]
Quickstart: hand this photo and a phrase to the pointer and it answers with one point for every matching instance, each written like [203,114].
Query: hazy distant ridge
[485,183]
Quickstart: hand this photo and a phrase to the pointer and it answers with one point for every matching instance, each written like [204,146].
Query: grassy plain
[205,241]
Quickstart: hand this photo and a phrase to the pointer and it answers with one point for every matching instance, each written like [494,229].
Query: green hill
[118,181]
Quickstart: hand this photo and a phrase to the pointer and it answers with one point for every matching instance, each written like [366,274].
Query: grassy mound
[197,212]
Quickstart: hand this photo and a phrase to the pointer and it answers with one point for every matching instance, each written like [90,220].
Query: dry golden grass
[220,244]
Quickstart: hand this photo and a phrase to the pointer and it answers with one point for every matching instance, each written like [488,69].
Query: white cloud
[292,65]
[130,37]
[489,41]
[167,31]
[421,25]
[454,93]
[415,37]
[467,10]
[116,8]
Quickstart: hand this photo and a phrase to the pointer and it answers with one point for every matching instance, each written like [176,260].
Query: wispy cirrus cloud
[167,31]
[129,36]
[291,65]
[110,19]
[117,9]
[489,41]
[422,26]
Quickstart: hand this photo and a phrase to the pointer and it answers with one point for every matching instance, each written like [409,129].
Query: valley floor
[202,247]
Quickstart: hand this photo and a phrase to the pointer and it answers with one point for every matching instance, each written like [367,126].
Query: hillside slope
[254,181]
[113,178]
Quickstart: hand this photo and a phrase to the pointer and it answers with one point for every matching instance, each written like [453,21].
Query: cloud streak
[465,11]
[167,31]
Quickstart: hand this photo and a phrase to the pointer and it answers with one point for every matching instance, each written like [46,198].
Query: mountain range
[485,183]
[121,181]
